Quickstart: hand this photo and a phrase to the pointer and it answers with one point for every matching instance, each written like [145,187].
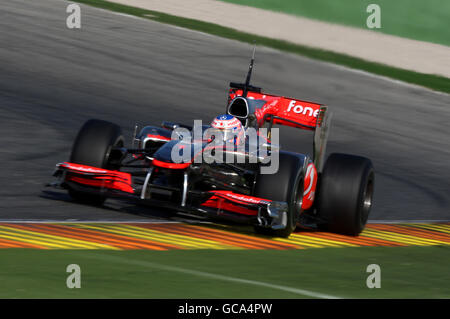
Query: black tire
[345,193]
[92,147]
[287,186]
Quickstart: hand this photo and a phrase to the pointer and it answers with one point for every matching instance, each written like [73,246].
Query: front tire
[286,185]
[92,147]
[345,194]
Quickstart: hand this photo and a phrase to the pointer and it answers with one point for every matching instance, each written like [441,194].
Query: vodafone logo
[244,198]
[299,109]
[241,197]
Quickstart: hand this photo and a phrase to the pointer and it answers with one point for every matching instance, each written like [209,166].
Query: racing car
[303,191]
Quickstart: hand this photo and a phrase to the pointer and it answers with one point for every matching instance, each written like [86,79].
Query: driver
[231,129]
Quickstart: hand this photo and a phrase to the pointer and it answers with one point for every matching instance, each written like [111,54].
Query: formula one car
[301,191]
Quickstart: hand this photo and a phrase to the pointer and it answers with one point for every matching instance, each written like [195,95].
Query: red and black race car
[302,191]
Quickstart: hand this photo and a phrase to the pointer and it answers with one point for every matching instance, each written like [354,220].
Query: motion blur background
[145,61]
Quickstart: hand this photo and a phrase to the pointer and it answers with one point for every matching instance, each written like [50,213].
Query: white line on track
[357,71]
[197,273]
[386,78]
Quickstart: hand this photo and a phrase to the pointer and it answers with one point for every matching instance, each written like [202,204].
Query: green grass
[434,82]
[409,272]
[416,19]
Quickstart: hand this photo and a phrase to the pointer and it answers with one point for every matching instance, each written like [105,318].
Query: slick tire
[345,194]
[92,147]
[285,185]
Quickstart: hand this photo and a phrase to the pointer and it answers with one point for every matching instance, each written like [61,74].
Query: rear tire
[92,147]
[286,185]
[345,194]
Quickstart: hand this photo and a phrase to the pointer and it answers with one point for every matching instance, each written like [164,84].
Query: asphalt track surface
[128,70]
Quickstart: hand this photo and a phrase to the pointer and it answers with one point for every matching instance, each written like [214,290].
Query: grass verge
[415,19]
[433,82]
[406,272]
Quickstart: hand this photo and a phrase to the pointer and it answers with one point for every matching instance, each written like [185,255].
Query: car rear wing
[271,109]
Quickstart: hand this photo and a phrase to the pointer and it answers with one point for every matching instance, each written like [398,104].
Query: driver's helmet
[231,129]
